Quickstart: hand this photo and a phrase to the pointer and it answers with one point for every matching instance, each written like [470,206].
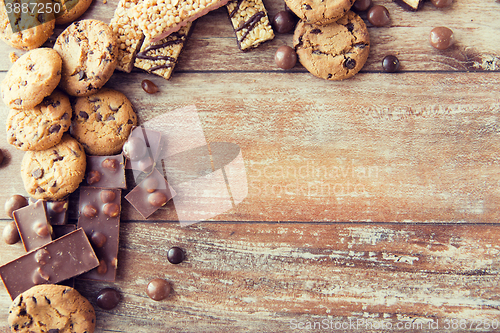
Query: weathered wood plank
[407,37]
[242,277]
[411,147]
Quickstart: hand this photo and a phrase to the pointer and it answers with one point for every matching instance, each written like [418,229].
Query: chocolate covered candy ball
[285,57]
[108,298]
[10,234]
[158,289]
[390,64]
[175,255]
[14,203]
[362,5]
[284,22]
[379,16]
[441,38]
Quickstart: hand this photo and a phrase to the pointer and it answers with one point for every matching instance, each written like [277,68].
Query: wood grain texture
[372,201]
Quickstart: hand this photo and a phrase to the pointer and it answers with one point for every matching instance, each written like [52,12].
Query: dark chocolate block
[33,225]
[57,212]
[100,218]
[412,5]
[59,260]
[151,194]
[105,171]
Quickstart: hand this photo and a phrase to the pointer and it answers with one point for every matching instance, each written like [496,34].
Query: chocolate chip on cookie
[51,308]
[89,52]
[103,121]
[334,51]
[40,127]
[53,173]
[31,78]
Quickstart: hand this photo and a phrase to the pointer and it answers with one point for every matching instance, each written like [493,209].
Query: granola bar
[160,57]
[128,34]
[159,19]
[250,22]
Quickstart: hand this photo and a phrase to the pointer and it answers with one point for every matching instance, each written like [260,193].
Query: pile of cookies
[331,41]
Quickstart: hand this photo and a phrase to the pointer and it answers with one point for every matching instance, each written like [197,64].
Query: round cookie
[41,127]
[51,308]
[34,29]
[103,121]
[319,11]
[53,173]
[335,51]
[73,10]
[31,78]
[89,52]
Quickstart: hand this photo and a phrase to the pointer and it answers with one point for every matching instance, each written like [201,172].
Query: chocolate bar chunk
[33,225]
[412,5]
[142,149]
[160,57]
[100,218]
[151,194]
[57,212]
[250,22]
[59,260]
[105,171]
[129,35]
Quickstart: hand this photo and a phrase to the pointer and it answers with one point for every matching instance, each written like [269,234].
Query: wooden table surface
[372,203]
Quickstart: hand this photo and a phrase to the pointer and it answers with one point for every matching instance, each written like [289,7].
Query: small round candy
[379,16]
[1,156]
[158,289]
[175,255]
[149,86]
[10,234]
[442,3]
[390,64]
[362,5]
[283,22]
[285,57]
[14,203]
[134,148]
[441,38]
[108,298]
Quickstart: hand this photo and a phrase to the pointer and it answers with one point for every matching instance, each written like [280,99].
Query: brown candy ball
[175,255]
[362,5]
[285,57]
[14,203]
[1,156]
[158,289]
[108,298]
[149,86]
[379,16]
[441,38]
[442,3]
[284,22]
[10,234]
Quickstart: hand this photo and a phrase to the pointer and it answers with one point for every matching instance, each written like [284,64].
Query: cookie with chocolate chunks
[334,51]
[103,121]
[89,52]
[319,11]
[40,127]
[54,173]
[51,308]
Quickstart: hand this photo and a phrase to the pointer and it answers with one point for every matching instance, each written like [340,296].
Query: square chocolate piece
[57,261]
[105,171]
[151,194]
[33,226]
[57,212]
[100,218]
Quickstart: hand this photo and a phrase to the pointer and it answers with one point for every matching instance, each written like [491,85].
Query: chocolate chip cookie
[51,308]
[73,9]
[32,28]
[31,78]
[89,52]
[335,51]
[53,173]
[319,11]
[41,127]
[103,121]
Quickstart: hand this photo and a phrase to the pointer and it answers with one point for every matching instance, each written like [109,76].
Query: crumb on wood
[13,57]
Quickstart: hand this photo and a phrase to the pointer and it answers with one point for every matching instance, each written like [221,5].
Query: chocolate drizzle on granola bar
[170,61]
[250,24]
